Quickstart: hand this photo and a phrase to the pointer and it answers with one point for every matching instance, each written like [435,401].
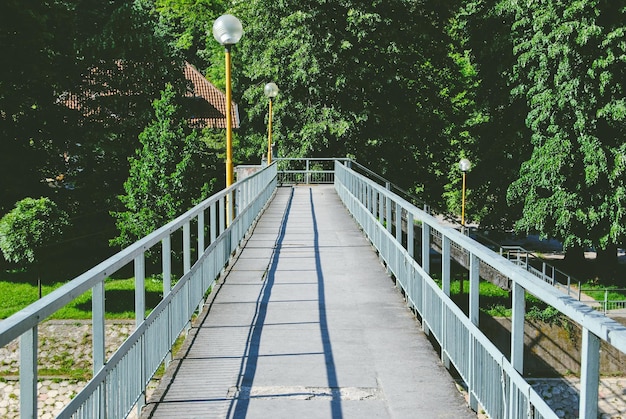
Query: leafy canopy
[29,228]
[570,69]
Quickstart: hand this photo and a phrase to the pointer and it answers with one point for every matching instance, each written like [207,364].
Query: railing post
[398,223]
[388,208]
[200,235]
[426,247]
[517,327]
[308,174]
[381,207]
[589,375]
[213,221]
[186,247]
[445,264]
[410,234]
[28,373]
[474,288]
[569,285]
[97,325]
[140,285]
[166,264]
[222,214]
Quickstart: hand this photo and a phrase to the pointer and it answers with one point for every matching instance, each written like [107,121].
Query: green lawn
[119,295]
[597,292]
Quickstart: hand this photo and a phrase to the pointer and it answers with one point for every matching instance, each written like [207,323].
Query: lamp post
[464,165]
[270,90]
[227,30]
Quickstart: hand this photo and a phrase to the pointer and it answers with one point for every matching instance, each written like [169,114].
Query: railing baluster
[28,373]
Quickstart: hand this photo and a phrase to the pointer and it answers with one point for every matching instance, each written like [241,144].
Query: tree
[570,69]
[497,119]
[381,81]
[31,227]
[187,25]
[168,175]
[106,54]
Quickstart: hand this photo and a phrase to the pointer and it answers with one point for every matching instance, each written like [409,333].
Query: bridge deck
[307,324]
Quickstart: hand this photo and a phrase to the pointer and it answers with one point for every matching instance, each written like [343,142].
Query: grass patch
[496,302]
[78,374]
[119,295]
[597,292]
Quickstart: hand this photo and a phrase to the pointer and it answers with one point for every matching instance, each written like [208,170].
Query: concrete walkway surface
[307,324]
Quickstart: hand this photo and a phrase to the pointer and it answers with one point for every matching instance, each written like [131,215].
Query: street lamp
[464,165]
[270,90]
[227,30]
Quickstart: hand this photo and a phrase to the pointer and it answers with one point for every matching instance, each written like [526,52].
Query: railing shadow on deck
[239,406]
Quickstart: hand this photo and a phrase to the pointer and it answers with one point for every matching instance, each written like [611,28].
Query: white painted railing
[495,380]
[119,383]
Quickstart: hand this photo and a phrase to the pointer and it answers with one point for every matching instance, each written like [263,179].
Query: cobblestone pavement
[63,342]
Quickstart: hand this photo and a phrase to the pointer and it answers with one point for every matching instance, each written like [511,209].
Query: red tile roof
[211,106]
[206,104]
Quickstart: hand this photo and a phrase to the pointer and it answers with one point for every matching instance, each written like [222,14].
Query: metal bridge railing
[495,380]
[293,171]
[538,267]
[119,383]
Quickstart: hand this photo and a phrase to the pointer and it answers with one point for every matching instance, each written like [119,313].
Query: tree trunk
[575,255]
[608,256]
[606,262]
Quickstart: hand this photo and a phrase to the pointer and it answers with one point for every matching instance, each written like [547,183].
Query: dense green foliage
[166,175]
[571,66]
[380,81]
[29,228]
[104,53]
[531,92]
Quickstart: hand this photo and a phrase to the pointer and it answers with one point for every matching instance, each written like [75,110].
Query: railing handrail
[26,318]
[247,197]
[482,367]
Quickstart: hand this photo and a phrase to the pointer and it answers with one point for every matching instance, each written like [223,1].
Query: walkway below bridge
[306,323]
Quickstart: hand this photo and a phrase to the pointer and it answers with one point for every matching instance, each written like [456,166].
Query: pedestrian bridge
[308,293]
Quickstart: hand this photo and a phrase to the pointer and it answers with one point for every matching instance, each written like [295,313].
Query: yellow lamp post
[270,90]
[227,30]
[464,165]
